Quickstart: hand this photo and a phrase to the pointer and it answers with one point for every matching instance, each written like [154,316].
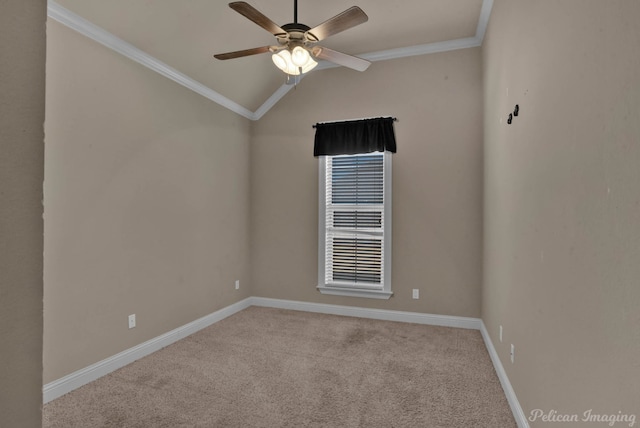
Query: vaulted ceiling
[178,38]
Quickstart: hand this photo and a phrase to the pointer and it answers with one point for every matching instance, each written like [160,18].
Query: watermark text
[587,416]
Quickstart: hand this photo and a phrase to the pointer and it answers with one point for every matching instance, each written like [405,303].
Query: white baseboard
[82,377]
[378,314]
[518,414]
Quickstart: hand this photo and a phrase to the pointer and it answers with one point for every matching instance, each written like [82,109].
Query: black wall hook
[510,119]
[516,110]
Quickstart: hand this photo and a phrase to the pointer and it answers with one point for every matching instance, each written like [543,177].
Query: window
[355,225]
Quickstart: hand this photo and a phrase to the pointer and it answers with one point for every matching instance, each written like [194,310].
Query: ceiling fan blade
[340,58]
[246,52]
[248,11]
[343,21]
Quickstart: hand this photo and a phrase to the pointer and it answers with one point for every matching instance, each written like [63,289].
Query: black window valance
[355,137]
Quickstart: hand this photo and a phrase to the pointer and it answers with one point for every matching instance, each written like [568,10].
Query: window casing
[354,251]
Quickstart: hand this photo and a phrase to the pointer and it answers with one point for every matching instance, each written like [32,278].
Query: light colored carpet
[275,368]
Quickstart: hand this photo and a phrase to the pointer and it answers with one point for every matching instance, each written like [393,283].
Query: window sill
[355,292]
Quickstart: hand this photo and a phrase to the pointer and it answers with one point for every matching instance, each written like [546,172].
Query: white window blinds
[355,220]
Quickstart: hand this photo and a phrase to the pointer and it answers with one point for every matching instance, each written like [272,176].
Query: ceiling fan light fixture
[292,64]
[296,50]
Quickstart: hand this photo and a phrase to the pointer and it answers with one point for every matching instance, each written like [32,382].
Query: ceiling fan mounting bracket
[296,26]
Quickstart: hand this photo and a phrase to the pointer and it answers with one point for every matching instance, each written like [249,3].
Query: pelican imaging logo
[590,415]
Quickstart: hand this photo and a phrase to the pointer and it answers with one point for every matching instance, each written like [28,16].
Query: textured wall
[146,204]
[22,93]
[562,202]
[437,181]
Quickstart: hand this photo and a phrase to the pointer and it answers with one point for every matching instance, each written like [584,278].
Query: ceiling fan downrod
[295,11]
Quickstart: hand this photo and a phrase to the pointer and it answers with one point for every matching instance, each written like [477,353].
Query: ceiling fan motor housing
[296,35]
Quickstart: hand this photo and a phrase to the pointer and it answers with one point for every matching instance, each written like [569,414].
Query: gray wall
[562,202]
[437,181]
[146,204]
[22,92]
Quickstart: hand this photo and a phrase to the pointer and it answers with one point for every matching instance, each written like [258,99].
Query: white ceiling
[178,38]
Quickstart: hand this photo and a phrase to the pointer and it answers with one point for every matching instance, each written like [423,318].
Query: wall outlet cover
[132,321]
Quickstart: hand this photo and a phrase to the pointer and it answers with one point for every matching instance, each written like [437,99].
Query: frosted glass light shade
[298,63]
[280,60]
[300,56]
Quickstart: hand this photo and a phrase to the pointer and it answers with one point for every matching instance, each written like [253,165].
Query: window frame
[353,289]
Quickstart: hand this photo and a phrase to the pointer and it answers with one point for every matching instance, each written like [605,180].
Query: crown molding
[429,48]
[483,20]
[426,49]
[272,100]
[92,31]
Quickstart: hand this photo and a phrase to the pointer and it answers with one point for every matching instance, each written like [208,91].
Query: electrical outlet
[500,333]
[132,320]
[416,293]
[237,284]
[513,353]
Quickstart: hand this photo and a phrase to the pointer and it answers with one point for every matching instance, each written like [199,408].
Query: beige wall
[562,202]
[157,200]
[22,92]
[437,181]
[146,204]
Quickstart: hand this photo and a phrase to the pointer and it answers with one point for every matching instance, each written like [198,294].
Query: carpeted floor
[275,368]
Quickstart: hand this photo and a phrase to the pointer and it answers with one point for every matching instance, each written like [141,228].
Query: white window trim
[351,291]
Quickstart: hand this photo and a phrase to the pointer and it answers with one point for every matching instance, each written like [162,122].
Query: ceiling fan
[297,43]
